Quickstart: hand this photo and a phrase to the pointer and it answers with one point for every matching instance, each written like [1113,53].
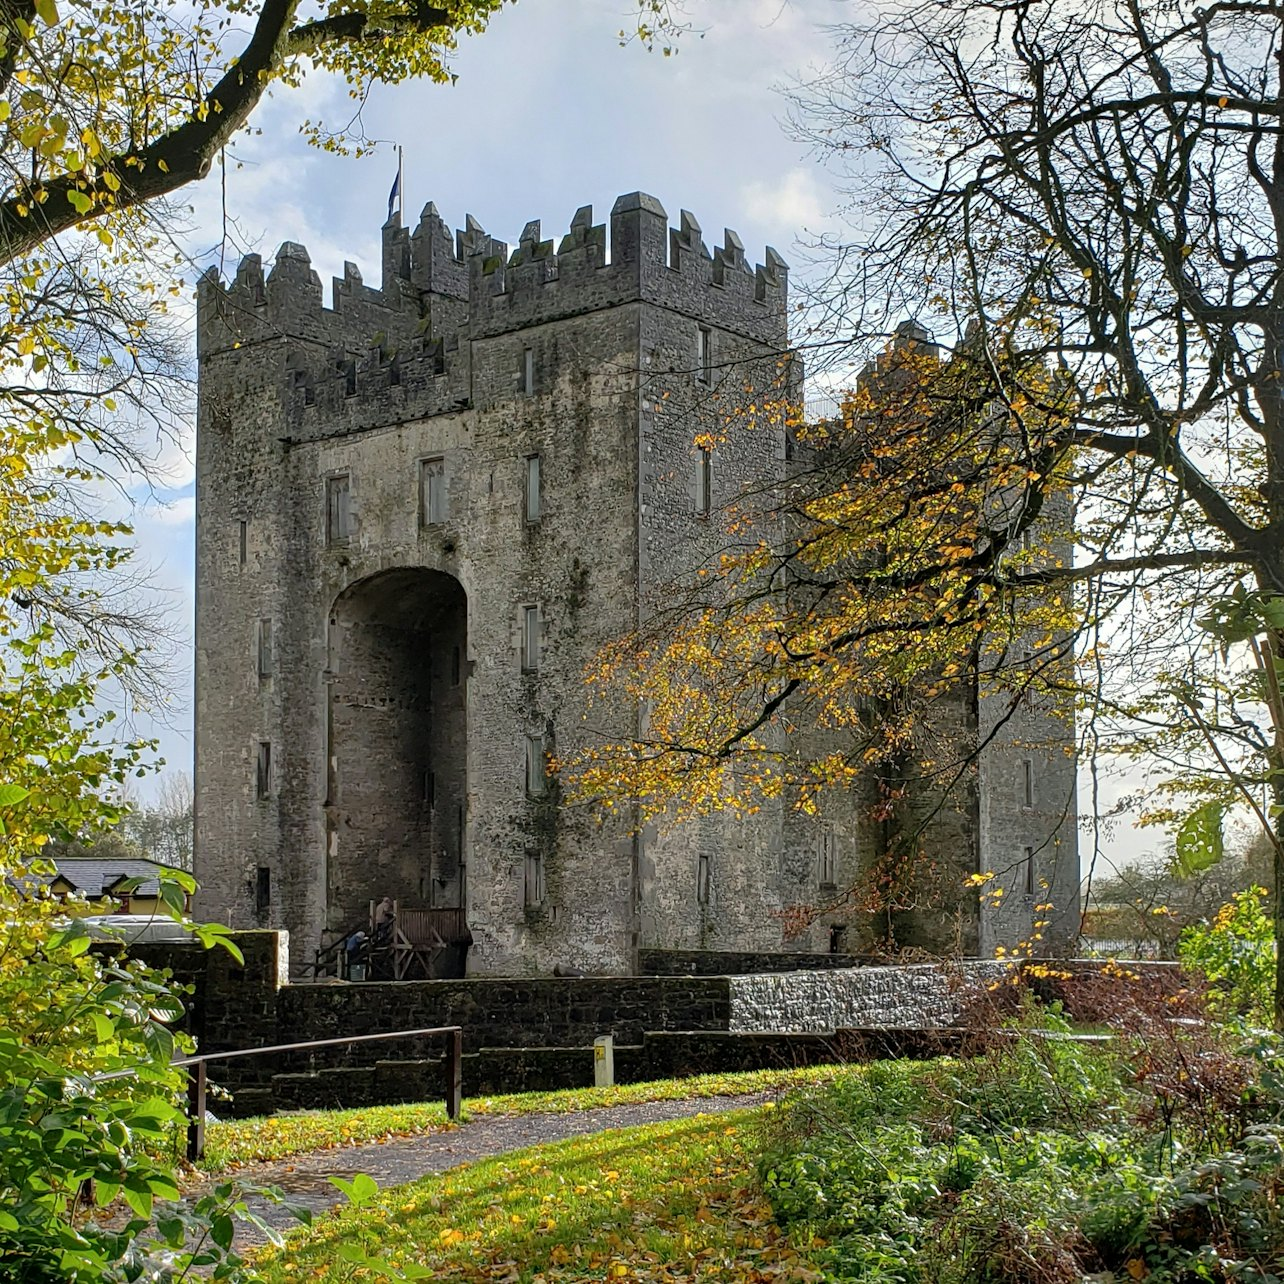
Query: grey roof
[96,877]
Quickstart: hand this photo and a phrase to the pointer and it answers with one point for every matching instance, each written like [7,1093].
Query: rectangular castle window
[827,851]
[530,639]
[263,647]
[1027,857]
[434,497]
[1027,782]
[536,767]
[263,770]
[243,541]
[338,508]
[534,894]
[532,488]
[704,354]
[704,481]
[703,879]
[528,371]
[263,891]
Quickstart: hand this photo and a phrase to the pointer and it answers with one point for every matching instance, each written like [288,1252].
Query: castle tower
[421,512]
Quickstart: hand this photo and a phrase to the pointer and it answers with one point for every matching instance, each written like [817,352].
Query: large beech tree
[1084,200]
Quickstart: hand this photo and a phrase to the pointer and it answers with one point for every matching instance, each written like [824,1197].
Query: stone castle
[422,510]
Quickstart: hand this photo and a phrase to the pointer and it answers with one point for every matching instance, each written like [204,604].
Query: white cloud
[795,200]
[178,512]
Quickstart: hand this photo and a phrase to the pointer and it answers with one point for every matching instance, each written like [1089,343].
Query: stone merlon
[494,291]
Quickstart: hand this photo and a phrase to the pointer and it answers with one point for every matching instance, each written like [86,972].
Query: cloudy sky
[549,113]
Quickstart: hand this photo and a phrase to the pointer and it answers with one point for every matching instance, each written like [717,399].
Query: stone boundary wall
[553,1012]
[525,1033]
[922,996]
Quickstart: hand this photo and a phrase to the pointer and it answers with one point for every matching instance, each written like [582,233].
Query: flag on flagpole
[394,196]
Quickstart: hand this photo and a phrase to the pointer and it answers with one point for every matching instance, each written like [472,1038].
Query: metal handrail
[197,1083]
[322,954]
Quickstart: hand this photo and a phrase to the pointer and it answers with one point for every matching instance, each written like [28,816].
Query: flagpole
[401,187]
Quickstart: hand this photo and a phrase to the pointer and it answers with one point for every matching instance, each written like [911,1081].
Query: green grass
[237,1142]
[662,1202]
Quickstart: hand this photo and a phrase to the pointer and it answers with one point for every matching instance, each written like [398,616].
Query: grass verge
[662,1202]
[1159,1157]
[237,1142]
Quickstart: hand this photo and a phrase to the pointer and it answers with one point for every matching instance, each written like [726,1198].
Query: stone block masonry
[522,1033]
[421,513]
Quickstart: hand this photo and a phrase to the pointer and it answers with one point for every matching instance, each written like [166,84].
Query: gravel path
[391,1163]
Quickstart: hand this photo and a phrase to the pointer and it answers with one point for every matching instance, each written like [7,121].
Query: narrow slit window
[534,894]
[263,891]
[1027,857]
[263,770]
[348,371]
[528,371]
[338,508]
[263,648]
[434,500]
[530,639]
[828,855]
[243,541]
[704,354]
[1027,782]
[703,879]
[532,488]
[536,767]
[704,481]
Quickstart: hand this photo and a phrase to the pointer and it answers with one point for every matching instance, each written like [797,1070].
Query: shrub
[1043,1161]
[1236,954]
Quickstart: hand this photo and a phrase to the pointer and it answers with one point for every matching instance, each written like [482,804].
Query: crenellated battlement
[406,347]
[442,282]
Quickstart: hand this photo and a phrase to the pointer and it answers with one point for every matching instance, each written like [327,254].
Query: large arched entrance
[397,745]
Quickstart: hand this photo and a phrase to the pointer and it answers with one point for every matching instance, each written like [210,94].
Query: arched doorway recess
[396,723]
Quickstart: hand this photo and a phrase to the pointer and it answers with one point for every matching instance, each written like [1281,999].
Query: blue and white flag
[395,194]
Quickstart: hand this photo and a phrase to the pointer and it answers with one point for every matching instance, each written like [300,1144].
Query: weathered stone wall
[367,698]
[919,996]
[1028,780]
[537,1033]
[377,786]
[548,1012]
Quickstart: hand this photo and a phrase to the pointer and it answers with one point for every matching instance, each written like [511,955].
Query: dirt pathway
[304,1178]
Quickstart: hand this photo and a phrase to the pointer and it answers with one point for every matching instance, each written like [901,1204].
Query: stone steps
[663,1054]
